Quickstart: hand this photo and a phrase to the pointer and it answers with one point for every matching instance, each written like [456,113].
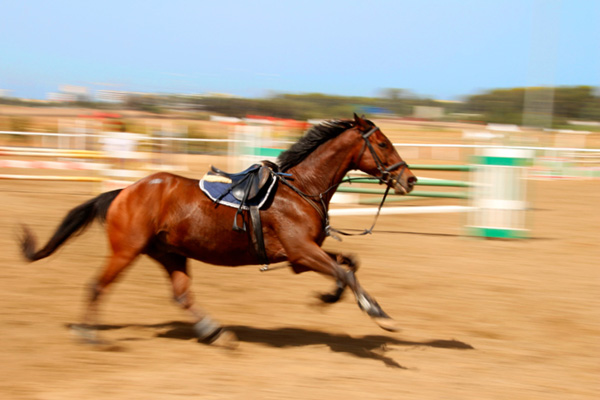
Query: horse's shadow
[371,346]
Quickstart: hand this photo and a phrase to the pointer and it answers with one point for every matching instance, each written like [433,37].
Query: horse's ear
[360,122]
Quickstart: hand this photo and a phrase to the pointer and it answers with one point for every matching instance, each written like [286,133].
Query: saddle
[250,187]
[246,185]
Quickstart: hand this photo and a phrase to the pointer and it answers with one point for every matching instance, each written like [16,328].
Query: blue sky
[438,48]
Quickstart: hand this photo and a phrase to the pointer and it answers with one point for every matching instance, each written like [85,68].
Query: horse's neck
[324,168]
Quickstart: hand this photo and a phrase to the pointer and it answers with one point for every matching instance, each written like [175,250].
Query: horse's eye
[383,145]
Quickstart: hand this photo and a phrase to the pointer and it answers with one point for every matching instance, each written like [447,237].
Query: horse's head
[379,158]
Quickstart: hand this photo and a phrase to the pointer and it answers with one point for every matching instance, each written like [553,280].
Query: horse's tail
[75,221]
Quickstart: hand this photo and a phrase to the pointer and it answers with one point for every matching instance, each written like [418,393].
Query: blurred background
[495,105]
[140,84]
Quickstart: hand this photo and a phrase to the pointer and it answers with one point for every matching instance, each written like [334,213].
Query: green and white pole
[499,193]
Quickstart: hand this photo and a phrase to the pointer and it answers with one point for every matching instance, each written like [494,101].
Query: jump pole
[416,193]
[400,210]
[499,194]
[13,177]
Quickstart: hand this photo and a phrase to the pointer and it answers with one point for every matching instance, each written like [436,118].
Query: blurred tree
[506,105]
[569,102]
[497,105]
[591,110]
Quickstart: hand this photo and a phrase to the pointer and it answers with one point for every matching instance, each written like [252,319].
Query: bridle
[385,177]
[385,171]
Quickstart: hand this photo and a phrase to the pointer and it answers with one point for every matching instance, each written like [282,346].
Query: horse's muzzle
[404,184]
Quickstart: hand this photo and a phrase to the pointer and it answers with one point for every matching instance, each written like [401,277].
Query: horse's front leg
[311,256]
[349,260]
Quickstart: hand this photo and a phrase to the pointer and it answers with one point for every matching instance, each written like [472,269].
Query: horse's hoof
[329,298]
[226,339]
[387,323]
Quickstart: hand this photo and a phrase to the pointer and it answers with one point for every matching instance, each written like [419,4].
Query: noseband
[386,176]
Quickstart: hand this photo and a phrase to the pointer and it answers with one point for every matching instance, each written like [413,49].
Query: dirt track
[481,319]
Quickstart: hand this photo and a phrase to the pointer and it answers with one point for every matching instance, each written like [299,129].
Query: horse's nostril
[412,181]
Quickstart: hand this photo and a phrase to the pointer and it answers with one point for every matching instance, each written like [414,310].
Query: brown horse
[168,218]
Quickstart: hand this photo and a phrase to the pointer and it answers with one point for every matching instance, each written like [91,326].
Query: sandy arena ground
[481,319]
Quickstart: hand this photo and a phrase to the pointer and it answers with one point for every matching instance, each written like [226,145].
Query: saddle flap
[250,186]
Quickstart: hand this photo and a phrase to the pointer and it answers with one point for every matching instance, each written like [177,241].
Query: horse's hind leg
[119,260]
[207,330]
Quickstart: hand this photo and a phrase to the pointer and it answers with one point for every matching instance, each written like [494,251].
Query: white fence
[500,193]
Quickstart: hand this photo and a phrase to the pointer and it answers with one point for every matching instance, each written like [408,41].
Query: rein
[384,178]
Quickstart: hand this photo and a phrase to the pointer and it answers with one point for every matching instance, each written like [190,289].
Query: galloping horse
[166,217]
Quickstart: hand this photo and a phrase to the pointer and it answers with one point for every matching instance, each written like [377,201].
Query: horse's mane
[313,138]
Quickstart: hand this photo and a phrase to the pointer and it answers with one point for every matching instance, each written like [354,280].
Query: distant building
[111,96]
[81,93]
[61,97]
[4,93]
[69,93]
[427,112]
[377,111]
